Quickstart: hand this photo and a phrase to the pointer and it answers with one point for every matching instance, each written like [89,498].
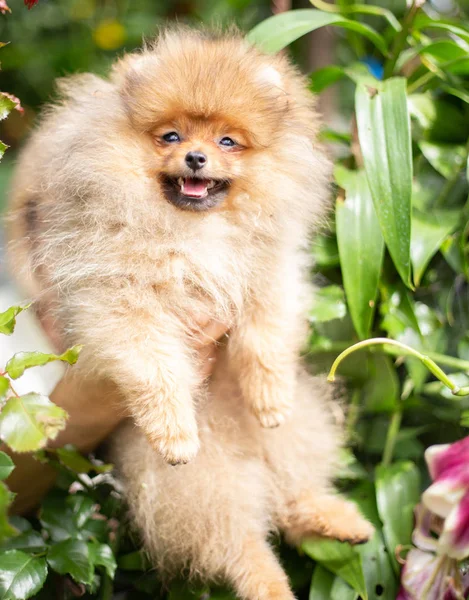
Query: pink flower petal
[423,575]
[443,496]
[454,539]
[421,536]
[449,461]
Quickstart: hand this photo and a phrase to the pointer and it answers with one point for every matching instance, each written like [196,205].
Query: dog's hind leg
[312,515]
[256,574]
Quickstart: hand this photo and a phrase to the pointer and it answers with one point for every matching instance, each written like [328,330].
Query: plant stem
[404,349]
[391,437]
[400,40]
[443,359]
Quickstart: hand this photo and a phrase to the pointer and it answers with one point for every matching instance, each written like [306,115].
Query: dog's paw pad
[178,450]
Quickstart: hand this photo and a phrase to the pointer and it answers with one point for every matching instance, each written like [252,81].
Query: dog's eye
[171,137]
[227,142]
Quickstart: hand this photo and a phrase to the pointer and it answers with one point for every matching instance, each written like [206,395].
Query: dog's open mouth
[194,193]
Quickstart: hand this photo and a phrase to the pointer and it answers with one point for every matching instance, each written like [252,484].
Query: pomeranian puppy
[185,184]
[212,518]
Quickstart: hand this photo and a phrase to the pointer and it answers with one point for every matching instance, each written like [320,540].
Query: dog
[186,184]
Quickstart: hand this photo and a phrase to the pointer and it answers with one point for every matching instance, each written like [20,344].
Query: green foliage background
[393,263]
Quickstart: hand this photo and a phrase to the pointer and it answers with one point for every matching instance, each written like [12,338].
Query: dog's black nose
[195,160]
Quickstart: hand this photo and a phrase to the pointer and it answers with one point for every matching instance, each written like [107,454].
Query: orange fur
[212,517]
[125,268]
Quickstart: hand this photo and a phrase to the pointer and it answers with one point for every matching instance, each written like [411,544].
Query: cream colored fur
[125,270]
[213,516]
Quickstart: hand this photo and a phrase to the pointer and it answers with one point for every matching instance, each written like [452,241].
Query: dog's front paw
[272,417]
[271,401]
[178,449]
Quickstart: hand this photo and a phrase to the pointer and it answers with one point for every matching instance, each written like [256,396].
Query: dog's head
[211,107]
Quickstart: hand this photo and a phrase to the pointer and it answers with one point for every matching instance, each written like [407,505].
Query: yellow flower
[109,35]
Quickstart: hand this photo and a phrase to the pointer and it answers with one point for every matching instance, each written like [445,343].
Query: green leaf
[6,465]
[4,386]
[447,159]
[72,557]
[16,366]
[6,498]
[323,78]
[29,541]
[423,21]
[384,134]
[381,391]
[6,106]
[361,247]
[73,460]
[21,575]
[8,319]
[27,422]
[328,304]
[429,231]
[397,493]
[277,32]
[440,119]
[340,558]
[133,561]
[3,149]
[376,563]
[102,556]
[325,584]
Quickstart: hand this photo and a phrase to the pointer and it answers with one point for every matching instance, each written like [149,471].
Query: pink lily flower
[428,574]
[448,496]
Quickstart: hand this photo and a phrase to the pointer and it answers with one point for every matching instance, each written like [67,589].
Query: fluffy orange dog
[187,183]
[185,187]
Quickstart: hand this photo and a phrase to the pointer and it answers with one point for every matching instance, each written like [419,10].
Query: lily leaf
[429,231]
[361,247]
[384,133]
[397,493]
[328,304]
[340,558]
[447,159]
[277,32]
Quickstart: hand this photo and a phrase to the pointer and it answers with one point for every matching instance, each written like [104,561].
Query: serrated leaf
[3,149]
[6,465]
[72,557]
[8,319]
[6,498]
[21,361]
[340,558]
[384,133]
[29,541]
[133,561]
[328,304]
[82,507]
[73,460]
[6,106]
[429,231]
[27,422]
[397,493]
[277,32]
[361,247]
[21,575]
[102,556]
[4,386]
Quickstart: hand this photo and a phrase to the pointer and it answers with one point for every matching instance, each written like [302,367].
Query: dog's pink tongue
[197,188]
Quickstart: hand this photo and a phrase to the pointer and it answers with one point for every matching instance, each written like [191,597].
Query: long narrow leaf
[361,247]
[384,134]
[279,31]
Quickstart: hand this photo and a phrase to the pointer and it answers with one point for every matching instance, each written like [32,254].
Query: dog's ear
[133,66]
[269,75]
